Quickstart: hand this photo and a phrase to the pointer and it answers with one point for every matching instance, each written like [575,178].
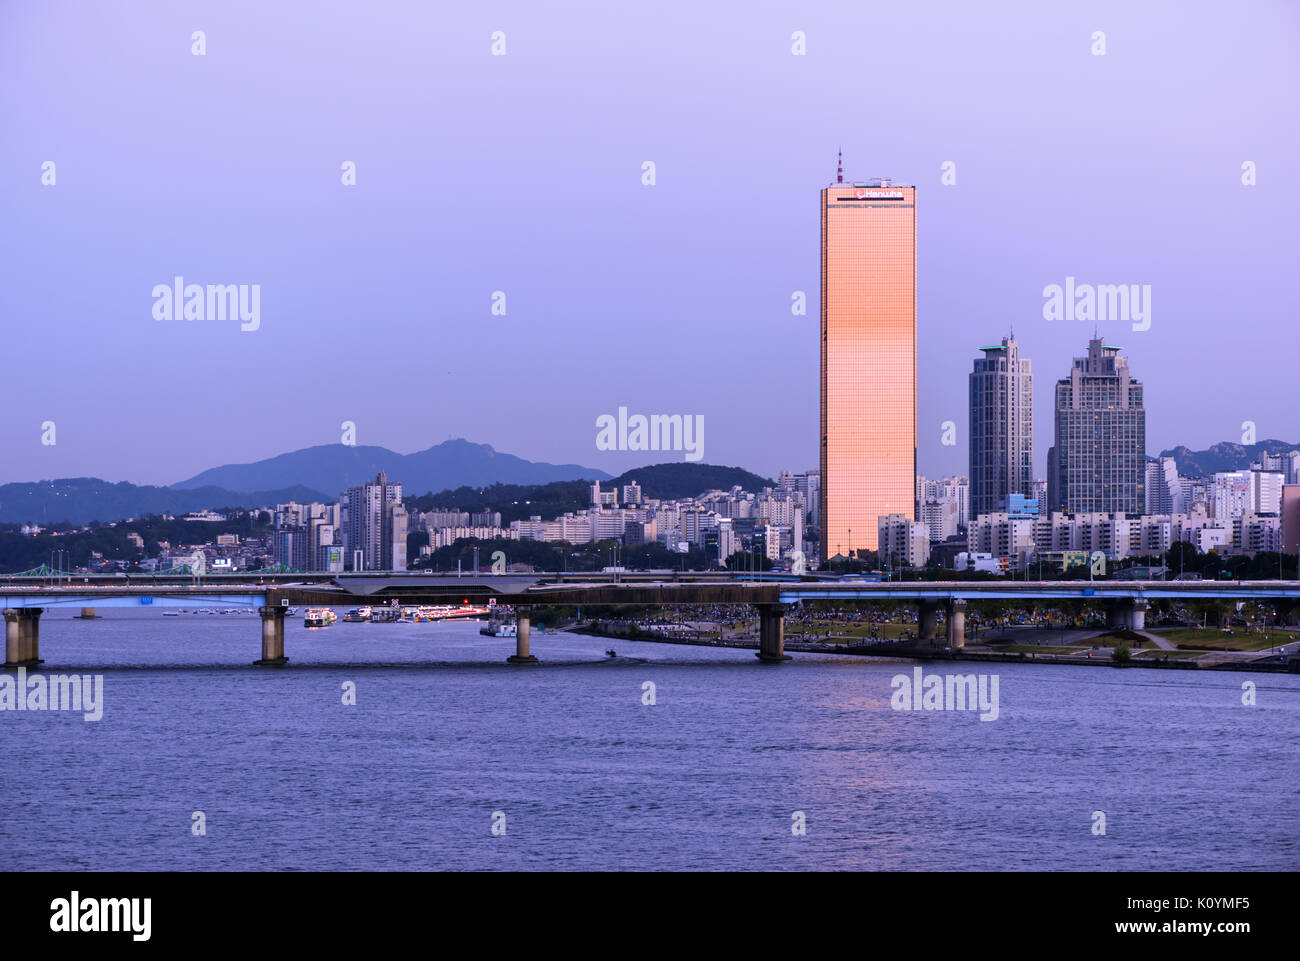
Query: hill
[1223,457]
[669,481]
[515,502]
[80,500]
[335,467]
[521,501]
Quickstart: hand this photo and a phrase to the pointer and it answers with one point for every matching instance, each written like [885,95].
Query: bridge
[24,598]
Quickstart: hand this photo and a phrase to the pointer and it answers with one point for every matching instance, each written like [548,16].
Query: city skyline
[445,438]
[426,236]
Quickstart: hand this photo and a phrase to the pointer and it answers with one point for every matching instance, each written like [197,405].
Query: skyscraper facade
[1098,460]
[374,527]
[868,361]
[1164,489]
[1001,428]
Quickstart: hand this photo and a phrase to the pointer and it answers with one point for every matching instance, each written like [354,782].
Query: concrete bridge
[22,599]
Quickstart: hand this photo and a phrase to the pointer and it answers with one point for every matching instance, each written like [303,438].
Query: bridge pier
[1138,615]
[1114,615]
[1127,612]
[272,637]
[87,614]
[521,654]
[956,623]
[13,639]
[23,636]
[927,622]
[771,633]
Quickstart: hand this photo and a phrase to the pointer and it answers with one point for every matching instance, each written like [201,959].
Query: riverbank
[1277,664]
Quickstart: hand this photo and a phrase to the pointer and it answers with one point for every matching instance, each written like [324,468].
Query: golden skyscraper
[868,376]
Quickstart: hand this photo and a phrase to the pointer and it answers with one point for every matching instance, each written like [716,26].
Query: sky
[477,172]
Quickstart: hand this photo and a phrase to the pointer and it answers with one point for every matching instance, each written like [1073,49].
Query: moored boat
[319,617]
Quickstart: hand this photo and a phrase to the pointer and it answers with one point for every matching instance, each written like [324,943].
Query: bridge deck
[522,590]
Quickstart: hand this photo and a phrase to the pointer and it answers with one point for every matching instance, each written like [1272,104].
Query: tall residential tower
[1001,428]
[868,361]
[374,526]
[1098,461]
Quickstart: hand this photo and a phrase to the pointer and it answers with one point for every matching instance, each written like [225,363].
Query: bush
[1121,655]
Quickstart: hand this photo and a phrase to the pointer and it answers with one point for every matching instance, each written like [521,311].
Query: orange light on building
[868,361]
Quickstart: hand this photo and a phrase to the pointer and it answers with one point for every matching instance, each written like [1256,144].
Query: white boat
[319,617]
[358,614]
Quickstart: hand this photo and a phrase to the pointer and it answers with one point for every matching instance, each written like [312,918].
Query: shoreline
[1288,666]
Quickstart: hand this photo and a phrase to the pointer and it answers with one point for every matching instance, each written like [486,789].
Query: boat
[384,615]
[445,612]
[319,617]
[171,613]
[358,614]
[499,629]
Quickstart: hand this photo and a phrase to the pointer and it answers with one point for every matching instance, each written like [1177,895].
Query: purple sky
[522,173]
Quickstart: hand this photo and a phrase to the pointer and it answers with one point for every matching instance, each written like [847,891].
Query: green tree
[1182,557]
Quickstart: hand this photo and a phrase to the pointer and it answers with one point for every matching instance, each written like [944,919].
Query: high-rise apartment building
[1164,488]
[902,541]
[1001,427]
[374,527]
[1234,493]
[1287,463]
[868,361]
[1098,460]
[1291,518]
[307,530]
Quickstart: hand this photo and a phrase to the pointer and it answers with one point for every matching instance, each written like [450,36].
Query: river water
[446,740]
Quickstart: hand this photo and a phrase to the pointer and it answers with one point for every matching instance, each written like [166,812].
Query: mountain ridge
[80,500]
[336,467]
[1223,456]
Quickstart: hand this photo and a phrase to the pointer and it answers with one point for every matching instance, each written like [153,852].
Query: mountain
[466,474]
[519,501]
[336,467]
[80,500]
[514,502]
[1222,457]
[668,481]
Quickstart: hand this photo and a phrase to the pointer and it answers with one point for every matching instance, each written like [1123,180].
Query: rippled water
[444,733]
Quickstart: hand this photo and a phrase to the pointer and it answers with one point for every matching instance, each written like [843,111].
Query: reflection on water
[444,733]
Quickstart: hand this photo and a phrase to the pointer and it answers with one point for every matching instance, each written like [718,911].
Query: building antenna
[839,170]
